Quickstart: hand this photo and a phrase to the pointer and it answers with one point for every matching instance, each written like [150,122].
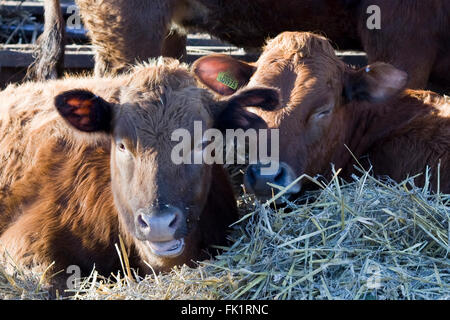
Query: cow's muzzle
[261,185]
[163,230]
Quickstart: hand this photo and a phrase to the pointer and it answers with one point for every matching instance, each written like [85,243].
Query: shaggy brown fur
[328,105]
[414,35]
[66,195]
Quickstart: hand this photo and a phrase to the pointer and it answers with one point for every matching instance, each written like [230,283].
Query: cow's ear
[85,111]
[231,113]
[377,82]
[222,74]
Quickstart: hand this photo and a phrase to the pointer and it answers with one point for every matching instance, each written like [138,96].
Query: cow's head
[159,202]
[319,94]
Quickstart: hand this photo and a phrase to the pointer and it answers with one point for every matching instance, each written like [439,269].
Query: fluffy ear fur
[84,111]
[222,74]
[376,82]
[230,114]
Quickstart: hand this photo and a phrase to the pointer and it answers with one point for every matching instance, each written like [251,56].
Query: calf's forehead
[151,118]
[301,51]
[309,80]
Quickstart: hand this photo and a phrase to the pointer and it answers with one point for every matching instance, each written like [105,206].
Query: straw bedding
[366,239]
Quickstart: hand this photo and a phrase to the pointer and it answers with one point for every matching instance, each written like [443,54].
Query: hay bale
[367,239]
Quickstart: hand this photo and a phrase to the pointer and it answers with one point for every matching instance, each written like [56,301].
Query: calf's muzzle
[260,184]
[163,229]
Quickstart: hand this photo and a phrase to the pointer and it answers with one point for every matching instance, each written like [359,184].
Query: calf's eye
[322,114]
[121,147]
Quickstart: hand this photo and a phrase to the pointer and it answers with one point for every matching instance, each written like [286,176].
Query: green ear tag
[227,79]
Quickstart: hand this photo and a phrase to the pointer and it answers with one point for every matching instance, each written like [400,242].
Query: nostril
[174,221]
[252,174]
[280,176]
[254,170]
[142,223]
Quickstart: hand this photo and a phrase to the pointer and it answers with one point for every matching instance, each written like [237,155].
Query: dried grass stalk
[368,239]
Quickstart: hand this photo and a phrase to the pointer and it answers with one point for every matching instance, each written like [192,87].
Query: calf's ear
[377,82]
[85,111]
[231,113]
[222,74]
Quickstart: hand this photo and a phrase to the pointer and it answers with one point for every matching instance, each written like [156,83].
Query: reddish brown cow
[414,34]
[79,167]
[328,105]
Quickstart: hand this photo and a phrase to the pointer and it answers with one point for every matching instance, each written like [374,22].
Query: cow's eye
[121,147]
[202,145]
[323,114]
[205,144]
[324,111]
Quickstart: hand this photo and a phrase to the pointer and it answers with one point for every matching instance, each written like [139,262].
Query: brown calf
[328,105]
[81,166]
[414,34]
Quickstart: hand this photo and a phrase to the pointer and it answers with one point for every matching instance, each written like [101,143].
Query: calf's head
[159,202]
[321,98]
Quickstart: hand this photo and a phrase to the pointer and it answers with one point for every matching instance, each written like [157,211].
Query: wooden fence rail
[15,59]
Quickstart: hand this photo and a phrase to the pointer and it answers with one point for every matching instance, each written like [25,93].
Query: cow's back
[249,23]
[423,141]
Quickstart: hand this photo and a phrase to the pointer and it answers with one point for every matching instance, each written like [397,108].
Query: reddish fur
[414,35]
[56,198]
[401,135]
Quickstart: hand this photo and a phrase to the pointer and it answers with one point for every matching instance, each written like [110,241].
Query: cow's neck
[220,210]
[370,124]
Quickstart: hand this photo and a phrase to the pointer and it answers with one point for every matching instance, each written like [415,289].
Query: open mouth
[171,248]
